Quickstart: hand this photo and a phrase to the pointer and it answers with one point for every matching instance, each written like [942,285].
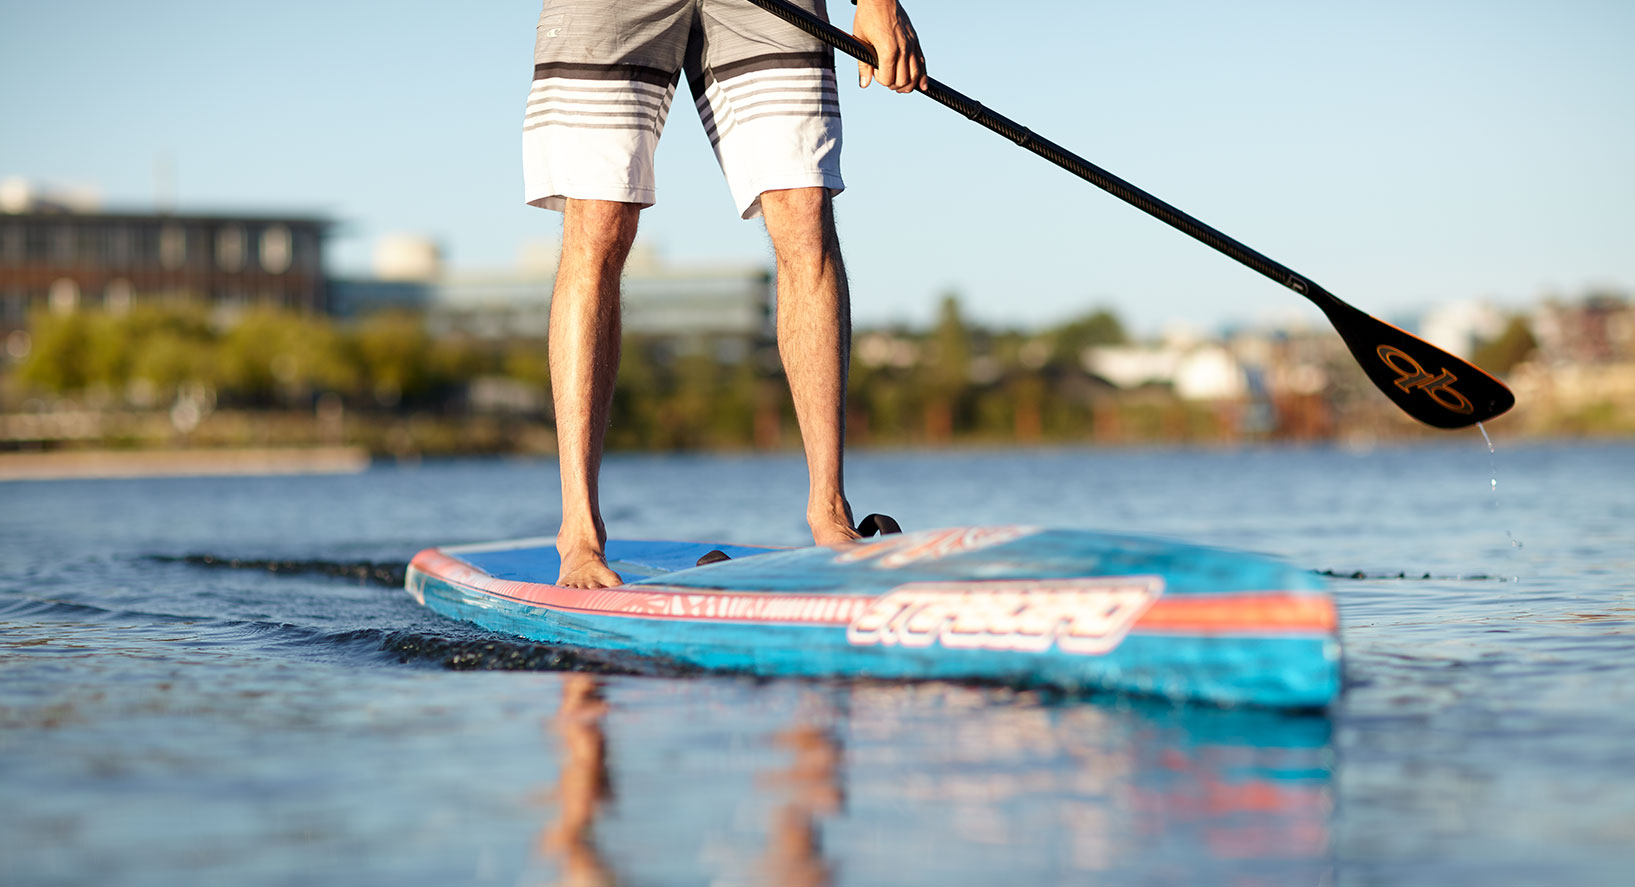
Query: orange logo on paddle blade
[1410,375]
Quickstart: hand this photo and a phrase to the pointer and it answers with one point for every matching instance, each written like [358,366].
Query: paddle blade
[1423,380]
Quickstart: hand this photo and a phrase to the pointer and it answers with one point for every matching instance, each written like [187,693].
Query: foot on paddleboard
[713,556]
[877,524]
[586,570]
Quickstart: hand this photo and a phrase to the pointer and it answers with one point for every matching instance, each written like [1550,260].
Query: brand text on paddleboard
[1087,616]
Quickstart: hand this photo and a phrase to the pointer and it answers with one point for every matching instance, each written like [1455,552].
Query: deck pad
[1029,606]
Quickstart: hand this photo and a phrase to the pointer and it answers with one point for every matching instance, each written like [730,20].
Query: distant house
[65,259]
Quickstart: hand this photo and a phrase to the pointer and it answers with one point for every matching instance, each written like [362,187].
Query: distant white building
[1210,372]
[1196,371]
[1461,326]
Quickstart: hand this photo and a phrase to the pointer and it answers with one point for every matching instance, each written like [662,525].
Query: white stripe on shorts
[616,124]
[597,104]
[726,104]
[773,128]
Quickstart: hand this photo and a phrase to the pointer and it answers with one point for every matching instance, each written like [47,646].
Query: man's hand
[884,25]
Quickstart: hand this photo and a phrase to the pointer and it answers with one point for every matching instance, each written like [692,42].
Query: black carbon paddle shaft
[1049,150]
[1413,373]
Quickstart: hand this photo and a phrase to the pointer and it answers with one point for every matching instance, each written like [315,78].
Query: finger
[887,71]
[863,75]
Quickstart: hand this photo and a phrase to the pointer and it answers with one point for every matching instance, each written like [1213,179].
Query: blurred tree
[392,350]
[947,374]
[168,360]
[1099,327]
[60,358]
[112,346]
[1504,353]
[278,356]
[637,395]
[527,361]
[171,348]
[460,358]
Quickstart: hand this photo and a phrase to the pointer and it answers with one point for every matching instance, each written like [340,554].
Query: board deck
[1078,610]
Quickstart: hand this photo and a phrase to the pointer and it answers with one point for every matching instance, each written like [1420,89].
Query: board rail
[941,610]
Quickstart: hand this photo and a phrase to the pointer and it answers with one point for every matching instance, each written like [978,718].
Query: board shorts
[605,72]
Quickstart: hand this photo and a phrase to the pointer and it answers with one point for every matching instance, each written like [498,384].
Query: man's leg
[584,355]
[814,340]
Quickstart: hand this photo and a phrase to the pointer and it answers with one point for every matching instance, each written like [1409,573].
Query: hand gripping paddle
[1426,382]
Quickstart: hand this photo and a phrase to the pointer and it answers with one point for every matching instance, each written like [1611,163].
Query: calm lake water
[169,718]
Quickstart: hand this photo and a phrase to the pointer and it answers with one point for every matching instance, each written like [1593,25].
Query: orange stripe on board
[1261,612]
[652,601]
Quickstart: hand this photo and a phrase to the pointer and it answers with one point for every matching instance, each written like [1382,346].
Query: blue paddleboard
[1076,610]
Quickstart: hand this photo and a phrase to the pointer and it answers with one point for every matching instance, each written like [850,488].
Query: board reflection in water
[929,783]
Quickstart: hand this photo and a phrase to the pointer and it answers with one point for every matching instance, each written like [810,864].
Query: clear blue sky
[1401,153]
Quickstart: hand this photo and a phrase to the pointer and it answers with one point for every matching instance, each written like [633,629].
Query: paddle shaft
[1423,380]
[1067,160]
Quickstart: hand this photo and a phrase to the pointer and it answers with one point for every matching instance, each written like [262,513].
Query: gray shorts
[606,70]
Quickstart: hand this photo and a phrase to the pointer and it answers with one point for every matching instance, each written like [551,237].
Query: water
[167,717]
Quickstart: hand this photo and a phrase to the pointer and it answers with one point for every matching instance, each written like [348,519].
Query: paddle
[1426,382]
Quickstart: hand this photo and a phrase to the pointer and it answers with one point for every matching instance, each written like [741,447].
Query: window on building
[63,295]
[35,243]
[230,248]
[276,249]
[304,251]
[172,247]
[13,307]
[147,244]
[121,246]
[91,248]
[64,239]
[11,243]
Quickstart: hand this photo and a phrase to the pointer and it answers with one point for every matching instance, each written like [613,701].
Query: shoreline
[201,462]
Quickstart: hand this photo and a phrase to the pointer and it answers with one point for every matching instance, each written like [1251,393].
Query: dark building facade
[64,260]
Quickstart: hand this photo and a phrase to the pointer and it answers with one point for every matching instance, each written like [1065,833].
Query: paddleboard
[1027,606]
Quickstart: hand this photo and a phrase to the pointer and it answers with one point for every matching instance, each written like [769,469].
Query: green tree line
[264,358]
[955,380]
[406,390]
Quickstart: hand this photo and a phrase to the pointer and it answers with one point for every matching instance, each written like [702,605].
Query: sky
[1403,154]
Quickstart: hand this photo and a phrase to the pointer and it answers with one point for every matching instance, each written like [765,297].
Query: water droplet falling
[1493,480]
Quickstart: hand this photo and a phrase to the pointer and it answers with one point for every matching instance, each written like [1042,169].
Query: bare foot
[832,527]
[584,566]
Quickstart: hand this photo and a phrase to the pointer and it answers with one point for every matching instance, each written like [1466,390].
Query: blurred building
[1197,371]
[407,268]
[724,308]
[63,256]
[1581,374]
[1598,330]
[1461,326]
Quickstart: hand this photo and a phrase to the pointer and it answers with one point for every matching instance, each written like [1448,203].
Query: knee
[800,222]
[601,227]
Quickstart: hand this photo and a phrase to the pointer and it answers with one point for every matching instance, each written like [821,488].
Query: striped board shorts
[606,70]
